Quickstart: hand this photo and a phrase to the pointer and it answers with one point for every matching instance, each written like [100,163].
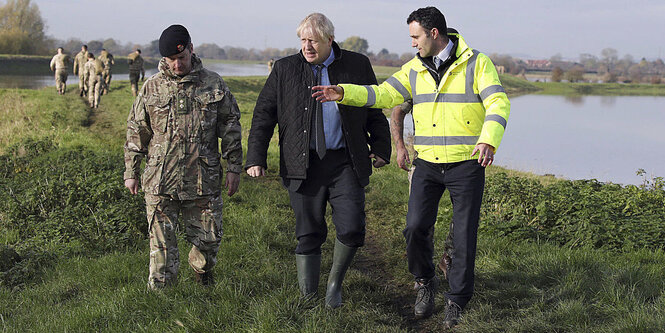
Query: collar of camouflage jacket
[197,65]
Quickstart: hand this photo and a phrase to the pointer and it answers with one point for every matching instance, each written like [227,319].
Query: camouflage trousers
[82,83]
[106,78]
[61,80]
[134,81]
[94,90]
[202,219]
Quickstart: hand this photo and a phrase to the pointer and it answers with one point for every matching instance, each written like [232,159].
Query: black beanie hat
[173,40]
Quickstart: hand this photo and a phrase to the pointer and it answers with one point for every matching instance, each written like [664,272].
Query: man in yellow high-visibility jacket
[460,109]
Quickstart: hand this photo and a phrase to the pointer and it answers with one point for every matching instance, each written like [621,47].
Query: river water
[40,81]
[607,138]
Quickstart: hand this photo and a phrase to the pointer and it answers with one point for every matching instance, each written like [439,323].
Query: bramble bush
[67,196]
[576,213]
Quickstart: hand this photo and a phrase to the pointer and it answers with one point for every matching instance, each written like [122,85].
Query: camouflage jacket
[135,62]
[92,68]
[107,60]
[176,122]
[79,61]
[59,61]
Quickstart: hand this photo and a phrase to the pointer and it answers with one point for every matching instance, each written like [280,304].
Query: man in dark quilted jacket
[326,150]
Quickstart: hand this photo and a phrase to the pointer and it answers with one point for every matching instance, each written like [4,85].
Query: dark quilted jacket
[286,99]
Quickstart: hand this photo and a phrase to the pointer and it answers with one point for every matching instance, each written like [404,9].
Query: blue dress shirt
[332,121]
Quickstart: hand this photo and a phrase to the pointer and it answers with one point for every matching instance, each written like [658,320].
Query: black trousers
[465,181]
[329,180]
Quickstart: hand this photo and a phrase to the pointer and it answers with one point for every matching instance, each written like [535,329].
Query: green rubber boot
[309,267]
[342,257]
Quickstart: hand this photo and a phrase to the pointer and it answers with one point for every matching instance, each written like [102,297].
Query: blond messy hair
[319,24]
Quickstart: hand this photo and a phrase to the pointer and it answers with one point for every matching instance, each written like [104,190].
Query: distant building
[538,65]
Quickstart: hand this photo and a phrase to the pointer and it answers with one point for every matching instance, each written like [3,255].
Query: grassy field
[603,89]
[98,284]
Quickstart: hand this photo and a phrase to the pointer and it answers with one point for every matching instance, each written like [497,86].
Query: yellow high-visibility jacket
[468,107]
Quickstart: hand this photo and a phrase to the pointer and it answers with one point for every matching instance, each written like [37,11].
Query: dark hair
[60,48]
[428,18]
[138,50]
[90,55]
[85,46]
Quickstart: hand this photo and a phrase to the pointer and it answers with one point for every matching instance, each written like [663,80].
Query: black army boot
[342,257]
[205,279]
[309,267]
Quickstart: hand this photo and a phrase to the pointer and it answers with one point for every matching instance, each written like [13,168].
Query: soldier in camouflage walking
[175,122]
[79,61]
[92,72]
[108,61]
[136,70]
[59,65]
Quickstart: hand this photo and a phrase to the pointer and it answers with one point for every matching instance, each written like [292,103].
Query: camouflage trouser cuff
[130,175]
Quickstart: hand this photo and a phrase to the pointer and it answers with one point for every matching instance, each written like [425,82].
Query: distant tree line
[608,67]
[22,31]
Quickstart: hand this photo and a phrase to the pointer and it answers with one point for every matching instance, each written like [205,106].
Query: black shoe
[425,298]
[452,314]
[444,264]
[204,279]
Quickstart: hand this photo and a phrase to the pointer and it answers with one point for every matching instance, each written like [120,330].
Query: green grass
[520,286]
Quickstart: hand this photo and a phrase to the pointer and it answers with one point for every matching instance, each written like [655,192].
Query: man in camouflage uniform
[79,61]
[59,65]
[176,121]
[136,70]
[108,61]
[92,72]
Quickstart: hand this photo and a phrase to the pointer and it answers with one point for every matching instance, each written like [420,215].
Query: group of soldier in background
[94,73]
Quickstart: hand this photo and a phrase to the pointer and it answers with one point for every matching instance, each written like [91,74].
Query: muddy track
[91,117]
[399,297]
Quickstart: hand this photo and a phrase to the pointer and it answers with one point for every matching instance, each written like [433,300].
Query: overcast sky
[535,29]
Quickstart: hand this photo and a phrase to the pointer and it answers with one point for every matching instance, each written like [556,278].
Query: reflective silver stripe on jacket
[371,96]
[445,140]
[499,119]
[491,90]
[399,87]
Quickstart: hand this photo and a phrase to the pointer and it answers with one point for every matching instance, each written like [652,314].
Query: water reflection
[575,99]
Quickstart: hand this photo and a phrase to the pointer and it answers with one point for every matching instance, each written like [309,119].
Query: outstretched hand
[328,93]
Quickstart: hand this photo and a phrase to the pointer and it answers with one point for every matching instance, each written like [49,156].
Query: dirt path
[372,262]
